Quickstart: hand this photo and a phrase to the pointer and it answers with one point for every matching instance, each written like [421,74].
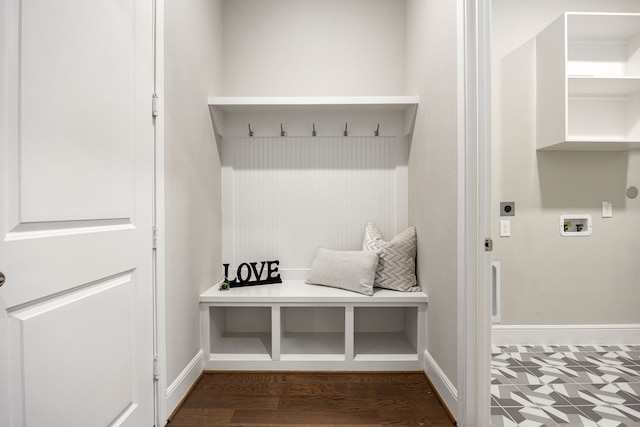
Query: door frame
[474,196]
[159,277]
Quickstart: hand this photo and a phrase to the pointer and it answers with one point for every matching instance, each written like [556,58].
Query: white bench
[294,325]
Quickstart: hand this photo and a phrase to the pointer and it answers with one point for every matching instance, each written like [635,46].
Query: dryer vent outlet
[507,208]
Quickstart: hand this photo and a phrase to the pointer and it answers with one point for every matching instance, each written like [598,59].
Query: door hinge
[156,369]
[154,105]
[154,239]
[488,244]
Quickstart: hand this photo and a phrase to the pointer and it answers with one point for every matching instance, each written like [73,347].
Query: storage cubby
[603,45]
[385,333]
[294,325]
[606,118]
[240,333]
[312,333]
[588,82]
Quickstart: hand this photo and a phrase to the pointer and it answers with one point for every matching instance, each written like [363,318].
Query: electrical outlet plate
[505,228]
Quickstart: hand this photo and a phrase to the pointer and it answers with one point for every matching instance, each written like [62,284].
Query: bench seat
[291,291]
[298,326]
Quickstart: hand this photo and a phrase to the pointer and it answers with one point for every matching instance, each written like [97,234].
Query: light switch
[505,228]
[607,209]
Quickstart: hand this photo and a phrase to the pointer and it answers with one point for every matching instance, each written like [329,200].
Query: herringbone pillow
[396,259]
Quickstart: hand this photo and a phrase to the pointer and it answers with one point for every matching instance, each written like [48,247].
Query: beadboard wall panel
[284,197]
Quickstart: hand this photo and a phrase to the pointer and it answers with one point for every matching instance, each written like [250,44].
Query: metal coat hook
[346,132]
[313,133]
[378,130]
[281,130]
[250,131]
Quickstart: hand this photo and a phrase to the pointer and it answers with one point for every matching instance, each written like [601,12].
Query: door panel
[76,187]
[76,95]
[101,345]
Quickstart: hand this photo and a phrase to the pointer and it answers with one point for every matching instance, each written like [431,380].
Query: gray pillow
[397,258]
[350,270]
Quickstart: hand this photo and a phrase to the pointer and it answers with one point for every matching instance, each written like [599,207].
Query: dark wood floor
[311,399]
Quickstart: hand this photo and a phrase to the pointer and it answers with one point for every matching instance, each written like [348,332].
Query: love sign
[250,270]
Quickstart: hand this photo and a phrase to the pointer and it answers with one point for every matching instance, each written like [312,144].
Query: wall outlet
[505,228]
[607,209]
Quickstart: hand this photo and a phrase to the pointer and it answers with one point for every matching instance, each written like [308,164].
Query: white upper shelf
[231,116]
[241,103]
[588,85]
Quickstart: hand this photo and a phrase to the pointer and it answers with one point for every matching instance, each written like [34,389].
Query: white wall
[286,197]
[431,53]
[546,278]
[313,48]
[193,44]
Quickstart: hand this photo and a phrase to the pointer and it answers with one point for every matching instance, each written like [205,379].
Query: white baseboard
[564,334]
[187,378]
[444,387]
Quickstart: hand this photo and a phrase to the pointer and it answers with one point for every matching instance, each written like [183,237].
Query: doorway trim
[474,168]
[159,330]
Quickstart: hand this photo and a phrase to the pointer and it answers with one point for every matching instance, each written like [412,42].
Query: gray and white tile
[565,385]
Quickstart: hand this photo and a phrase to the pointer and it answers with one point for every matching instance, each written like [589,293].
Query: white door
[76,198]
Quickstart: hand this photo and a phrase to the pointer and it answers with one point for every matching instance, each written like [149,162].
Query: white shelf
[384,345]
[588,82]
[606,87]
[232,115]
[373,103]
[386,358]
[312,346]
[247,343]
[585,144]
[297,291]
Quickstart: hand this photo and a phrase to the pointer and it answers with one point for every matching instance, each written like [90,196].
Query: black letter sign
[246,270]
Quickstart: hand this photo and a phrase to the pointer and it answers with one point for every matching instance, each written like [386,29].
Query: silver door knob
[1,278]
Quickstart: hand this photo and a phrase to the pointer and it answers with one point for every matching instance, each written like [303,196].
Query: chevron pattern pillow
[396,259]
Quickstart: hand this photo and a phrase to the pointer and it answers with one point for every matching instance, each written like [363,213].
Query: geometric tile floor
[565,385]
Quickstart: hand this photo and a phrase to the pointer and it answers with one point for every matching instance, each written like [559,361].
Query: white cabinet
[294,325]
[588,82]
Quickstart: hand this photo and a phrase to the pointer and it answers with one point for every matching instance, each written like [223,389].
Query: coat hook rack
[346,132]
[313,133]
[250,131]
[281,130]
[378,130]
